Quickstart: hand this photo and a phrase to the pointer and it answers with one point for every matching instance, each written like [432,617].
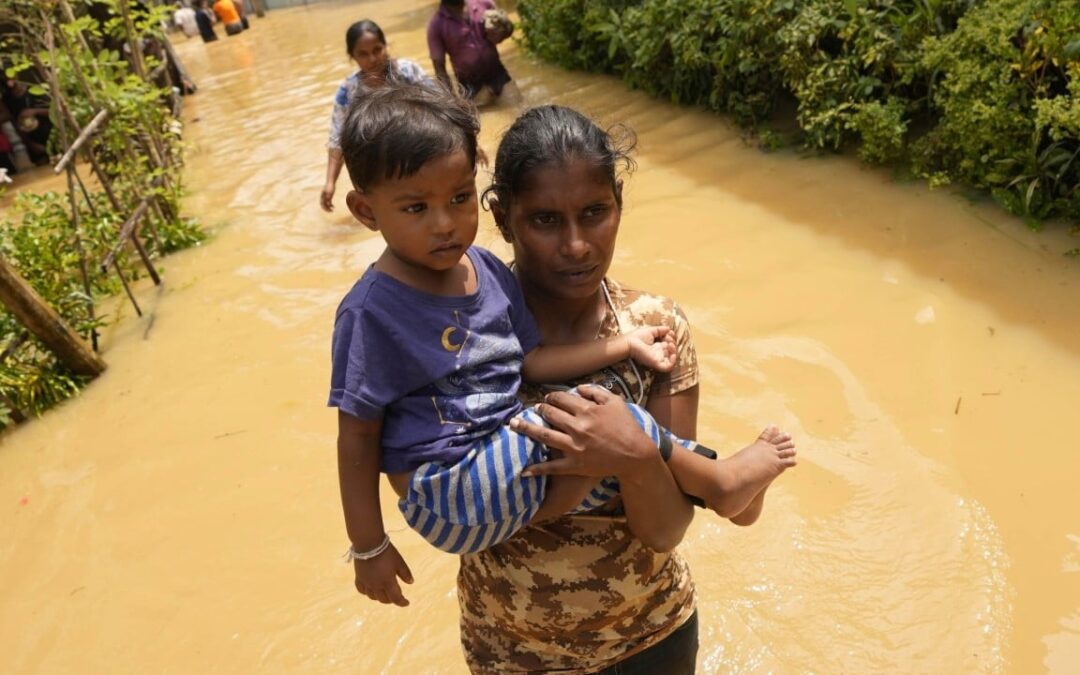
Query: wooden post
[137,60]
[85,193]
[127,288]
[170,51]
[83,271]
[84,136]
[43,321]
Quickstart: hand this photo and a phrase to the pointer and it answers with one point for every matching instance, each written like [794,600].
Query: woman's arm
[334,161]
[599,437]
[676,412]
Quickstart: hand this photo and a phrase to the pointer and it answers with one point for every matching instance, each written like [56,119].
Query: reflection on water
[182,514]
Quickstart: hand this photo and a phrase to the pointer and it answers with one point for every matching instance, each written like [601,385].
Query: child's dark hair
[392,131]
[552,135]
[358,30]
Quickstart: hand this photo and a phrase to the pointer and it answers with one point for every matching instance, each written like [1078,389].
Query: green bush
[1005,96]
[975,91]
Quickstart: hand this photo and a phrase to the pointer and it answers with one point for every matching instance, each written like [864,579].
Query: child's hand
[653,347]
[378,578]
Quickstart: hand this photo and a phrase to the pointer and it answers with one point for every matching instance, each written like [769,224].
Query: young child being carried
[431,344]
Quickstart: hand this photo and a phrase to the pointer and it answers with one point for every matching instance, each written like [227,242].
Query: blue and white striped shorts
[482,499]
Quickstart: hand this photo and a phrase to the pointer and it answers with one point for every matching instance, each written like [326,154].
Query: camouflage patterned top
[580,593]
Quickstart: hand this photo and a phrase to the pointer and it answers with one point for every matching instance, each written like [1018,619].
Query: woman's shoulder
[346,89]
[410,71]
[642,308]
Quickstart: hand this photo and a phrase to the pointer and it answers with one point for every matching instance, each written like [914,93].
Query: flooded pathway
[182,516]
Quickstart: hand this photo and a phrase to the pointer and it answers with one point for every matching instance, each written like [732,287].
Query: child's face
[370,54]
[428,219]
[564,222]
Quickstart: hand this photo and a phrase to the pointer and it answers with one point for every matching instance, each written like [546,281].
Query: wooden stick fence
[15,293]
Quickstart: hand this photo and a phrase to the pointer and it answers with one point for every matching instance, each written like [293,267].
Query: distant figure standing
[226,11]
[204,18]
[185,19]
[457,30]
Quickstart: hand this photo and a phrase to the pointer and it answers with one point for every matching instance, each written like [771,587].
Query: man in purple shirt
[457,30]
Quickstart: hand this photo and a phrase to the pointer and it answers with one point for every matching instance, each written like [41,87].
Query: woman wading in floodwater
[365,44]
[588,593]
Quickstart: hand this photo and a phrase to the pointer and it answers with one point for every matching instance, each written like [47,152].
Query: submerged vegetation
[984,93]
[85,58]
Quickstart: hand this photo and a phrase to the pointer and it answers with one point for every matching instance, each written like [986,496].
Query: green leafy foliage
[970,91]
[1005,93]
[139,150]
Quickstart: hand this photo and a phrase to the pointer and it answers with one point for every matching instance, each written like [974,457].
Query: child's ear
[618,193]
[360,207]
[499,215]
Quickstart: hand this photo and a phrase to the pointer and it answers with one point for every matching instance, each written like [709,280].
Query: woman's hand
[599,437]
[596,433]
[378,578]
[653,347]
[326,198]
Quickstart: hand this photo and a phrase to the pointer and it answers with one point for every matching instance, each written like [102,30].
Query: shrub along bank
[980,92]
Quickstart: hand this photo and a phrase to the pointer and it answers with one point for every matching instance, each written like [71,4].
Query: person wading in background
[457,30]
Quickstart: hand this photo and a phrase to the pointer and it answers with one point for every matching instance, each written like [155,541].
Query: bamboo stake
[137,60]
[43,321]
[91,96]
[160,213]
[85,193]
[170,51]
[126,230]
[70,17]
[145,258]
[82,254]
[84,136]
[127,289]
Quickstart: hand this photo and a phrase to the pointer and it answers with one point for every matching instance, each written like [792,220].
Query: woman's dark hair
[553,135]
[392,131]
[358,30]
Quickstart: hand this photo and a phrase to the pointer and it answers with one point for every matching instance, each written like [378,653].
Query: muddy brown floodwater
[182,516]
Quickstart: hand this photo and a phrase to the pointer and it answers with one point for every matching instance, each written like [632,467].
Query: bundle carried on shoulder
[497,25]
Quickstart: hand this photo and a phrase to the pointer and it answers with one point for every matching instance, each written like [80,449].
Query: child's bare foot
[742,479]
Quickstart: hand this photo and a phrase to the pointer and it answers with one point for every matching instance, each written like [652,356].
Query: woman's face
[564,221]
[370,54]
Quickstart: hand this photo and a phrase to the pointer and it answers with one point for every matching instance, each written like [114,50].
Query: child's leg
[563,494]
[734,487]
[482,499]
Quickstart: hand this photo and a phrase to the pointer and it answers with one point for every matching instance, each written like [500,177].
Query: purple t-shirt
[463,39]
[441,371]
